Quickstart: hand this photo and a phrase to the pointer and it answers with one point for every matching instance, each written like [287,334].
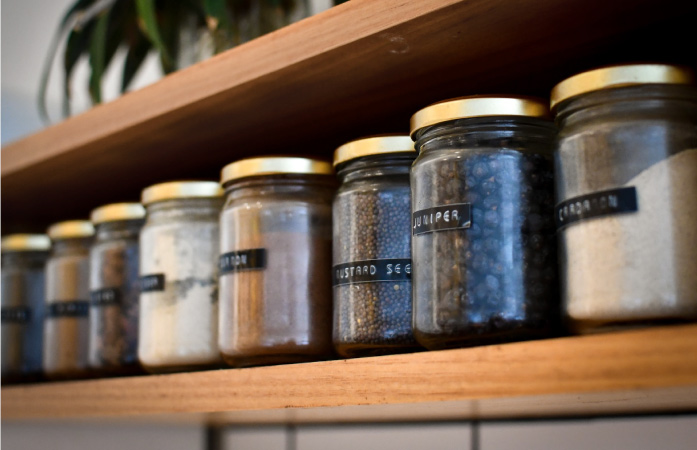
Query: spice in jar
[66,326]
[114,288]
[275,262]
[178,326]
[372,247]
[23,259]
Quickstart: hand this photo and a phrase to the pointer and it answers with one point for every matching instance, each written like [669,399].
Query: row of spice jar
[254,283]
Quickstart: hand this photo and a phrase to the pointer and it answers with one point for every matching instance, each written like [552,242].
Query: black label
[76,308]
[253,259]
[152,283]
[597,204]
[371,270]
[105,297]
[448,217]
[16,314]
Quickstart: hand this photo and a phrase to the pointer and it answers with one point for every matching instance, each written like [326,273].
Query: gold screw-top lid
[619,76]
[181,189]
[26,243]
[374,145]
[71,229]
[478,106]
[274,165]
[117,211]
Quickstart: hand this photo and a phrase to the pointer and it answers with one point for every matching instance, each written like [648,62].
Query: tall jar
[114,288]
[483,233]
[627,177]
[23,259]
[178,265]
[372,247]
[66,326]
[275,263]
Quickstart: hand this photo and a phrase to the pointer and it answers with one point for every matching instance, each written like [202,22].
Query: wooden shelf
[360,68]
[632,372]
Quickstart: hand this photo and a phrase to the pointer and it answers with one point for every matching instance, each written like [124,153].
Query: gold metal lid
[619,76]
[26,243]
[71,229]
[373,145]
[117,211]
[274,165]
[180,189]
[478,106]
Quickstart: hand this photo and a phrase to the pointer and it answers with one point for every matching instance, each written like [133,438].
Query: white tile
[665,433]
[454,436]
[254,438]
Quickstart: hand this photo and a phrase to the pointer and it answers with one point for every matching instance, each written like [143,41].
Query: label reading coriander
[74,308]
[253,259]
[597,204]
[105,297]
[152,283]
[16,314]
[440,218]
[371,271]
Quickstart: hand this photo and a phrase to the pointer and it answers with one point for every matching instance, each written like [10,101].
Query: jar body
[275,288]
[22,315]
[483,234]
[114,291]
[372,257]
[178,325]
[66,326]
[627,165]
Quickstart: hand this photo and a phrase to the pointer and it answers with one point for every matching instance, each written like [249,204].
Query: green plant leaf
[98,51]
[137,51]
[148,23]
[78,45]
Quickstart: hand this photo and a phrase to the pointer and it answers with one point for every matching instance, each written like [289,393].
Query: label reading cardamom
[597,204]
[371,271]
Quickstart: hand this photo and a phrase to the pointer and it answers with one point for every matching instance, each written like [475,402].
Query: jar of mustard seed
[178,326]
[372,247]
[626,215]
[483,238]
[23,260]
[66,326]
[275,261]
[114,288]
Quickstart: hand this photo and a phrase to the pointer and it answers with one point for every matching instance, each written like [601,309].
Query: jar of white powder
[626,181]
[178,325]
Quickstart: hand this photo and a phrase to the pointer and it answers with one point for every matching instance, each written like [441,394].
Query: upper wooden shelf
[632,372]
[357,69]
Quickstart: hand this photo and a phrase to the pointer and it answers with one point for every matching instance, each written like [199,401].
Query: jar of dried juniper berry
[113,344]
[372,247]
[483,233]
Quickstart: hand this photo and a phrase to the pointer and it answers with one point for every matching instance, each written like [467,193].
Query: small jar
[179,288]
[483,233]
[275,263]
[114,288]
[626,214]
[66,327]
[23,259]
[372,247]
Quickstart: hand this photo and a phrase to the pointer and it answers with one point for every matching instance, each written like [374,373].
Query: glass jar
[483,234]
[178,265]
[372,247]
[275,263]
[23,259]
[66,326]
[114,289]
[627,176]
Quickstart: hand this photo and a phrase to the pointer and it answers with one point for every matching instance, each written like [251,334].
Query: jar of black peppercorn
[372,247]
[23,259]
[483,232]
[113,342]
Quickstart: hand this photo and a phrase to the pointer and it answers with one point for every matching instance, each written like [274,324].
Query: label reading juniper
[16,314]
[74,308]
[372,270]
[597,204]
[152,283]
[253,259]
[439,218]
[105,297]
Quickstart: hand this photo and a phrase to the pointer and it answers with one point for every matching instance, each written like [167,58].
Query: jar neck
[395,164]
[121,229]
[185,209]
[29,259]
[71,246]
[299,185]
